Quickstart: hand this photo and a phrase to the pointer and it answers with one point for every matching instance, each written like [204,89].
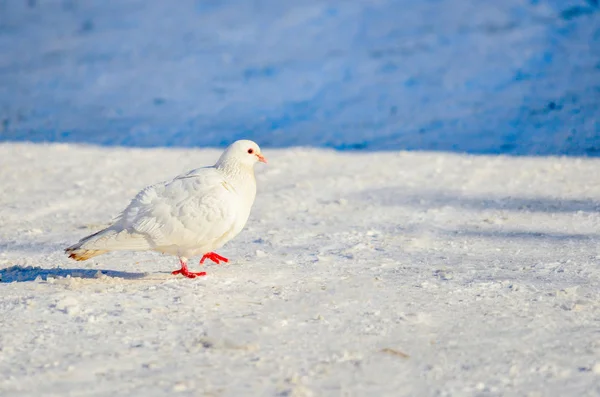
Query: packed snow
[358,274]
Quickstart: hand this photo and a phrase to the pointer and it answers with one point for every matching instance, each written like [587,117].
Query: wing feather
[189,211]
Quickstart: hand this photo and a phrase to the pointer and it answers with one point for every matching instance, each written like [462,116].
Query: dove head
[241,153]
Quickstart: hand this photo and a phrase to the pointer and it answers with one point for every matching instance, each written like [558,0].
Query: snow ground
[364,273]
[515,77]
[383,273]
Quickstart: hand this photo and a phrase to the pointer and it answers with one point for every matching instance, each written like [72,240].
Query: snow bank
[510,76]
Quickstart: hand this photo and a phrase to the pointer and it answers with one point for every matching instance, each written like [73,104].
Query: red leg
[213,256]
[185,272]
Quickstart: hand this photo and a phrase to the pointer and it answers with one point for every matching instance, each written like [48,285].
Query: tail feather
[105,241]
[83,255]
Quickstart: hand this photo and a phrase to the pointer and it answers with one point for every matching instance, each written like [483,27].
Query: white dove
[195,213]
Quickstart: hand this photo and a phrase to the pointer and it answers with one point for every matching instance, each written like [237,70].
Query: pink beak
[261,158]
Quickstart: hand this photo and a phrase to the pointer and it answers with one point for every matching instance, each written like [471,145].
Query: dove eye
[250,151]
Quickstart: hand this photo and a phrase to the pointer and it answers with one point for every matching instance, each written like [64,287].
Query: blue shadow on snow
[514,77]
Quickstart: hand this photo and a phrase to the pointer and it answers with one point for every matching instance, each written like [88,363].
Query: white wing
[192,210]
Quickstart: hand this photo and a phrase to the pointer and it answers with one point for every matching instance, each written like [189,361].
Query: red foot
[213,257]
[185,272]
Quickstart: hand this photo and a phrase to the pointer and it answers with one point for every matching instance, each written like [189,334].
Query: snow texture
[511,76]
[359,274]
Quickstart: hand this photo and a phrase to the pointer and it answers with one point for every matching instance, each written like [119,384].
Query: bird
[196,213]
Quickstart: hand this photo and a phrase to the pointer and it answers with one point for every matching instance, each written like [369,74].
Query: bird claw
[187,273]
[184,271]
[213,257]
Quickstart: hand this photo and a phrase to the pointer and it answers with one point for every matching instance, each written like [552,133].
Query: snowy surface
[367,271]
[397,274]
[505,76]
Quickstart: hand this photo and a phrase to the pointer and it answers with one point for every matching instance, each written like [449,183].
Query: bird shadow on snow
[29,273]
[20,273]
